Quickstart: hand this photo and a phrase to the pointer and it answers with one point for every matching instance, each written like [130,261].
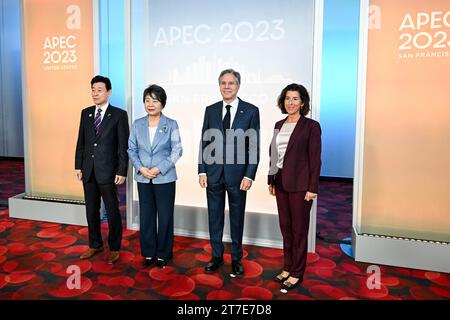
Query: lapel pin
[90,114]
[109,114]
[242,111]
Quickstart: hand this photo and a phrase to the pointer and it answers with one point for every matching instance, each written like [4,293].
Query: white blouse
[282,141]
[152,133]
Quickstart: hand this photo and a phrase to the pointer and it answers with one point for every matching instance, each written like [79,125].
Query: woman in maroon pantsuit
[294,179]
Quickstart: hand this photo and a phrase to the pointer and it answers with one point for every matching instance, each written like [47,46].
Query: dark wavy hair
[156,92]
[304,96]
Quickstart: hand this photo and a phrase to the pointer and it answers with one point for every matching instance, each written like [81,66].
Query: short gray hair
[236,74]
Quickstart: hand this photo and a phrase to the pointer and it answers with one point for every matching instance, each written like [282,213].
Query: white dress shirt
[234,106]
[103,107]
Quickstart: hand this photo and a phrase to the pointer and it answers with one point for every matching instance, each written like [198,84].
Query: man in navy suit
[228,160]
[101,162]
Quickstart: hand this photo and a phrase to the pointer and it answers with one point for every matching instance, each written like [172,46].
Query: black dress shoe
[213,264]
[161,263]
[149,261]
[280,279]
[237,267]
[289,286]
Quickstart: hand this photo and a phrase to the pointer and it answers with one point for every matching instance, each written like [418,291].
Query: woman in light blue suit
[154,147]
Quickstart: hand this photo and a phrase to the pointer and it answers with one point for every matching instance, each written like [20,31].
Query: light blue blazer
[163,153]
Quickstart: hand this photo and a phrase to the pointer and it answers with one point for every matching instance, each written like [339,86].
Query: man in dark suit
[101,161]
[228,160]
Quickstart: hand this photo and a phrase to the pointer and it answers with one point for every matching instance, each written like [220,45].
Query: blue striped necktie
[97,120]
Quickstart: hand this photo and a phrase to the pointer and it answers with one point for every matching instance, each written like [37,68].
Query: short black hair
[156,92]
[304,96]
[103,79]
[236,74]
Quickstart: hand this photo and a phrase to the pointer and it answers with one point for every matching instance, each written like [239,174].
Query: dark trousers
[156,207]
[93,192]
[293,213]
[215,194]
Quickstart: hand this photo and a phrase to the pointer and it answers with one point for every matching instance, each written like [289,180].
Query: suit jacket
[302,160]
[107,152]
[242,153]
[163,153]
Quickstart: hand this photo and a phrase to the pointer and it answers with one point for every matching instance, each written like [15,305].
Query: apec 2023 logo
[61,49]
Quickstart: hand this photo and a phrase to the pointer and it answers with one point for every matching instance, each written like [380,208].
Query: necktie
[227,118]
[97,120]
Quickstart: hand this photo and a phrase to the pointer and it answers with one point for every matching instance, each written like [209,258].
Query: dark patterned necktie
[227,118]
[97,120]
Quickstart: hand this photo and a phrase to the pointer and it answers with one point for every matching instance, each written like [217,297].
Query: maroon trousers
[293,213]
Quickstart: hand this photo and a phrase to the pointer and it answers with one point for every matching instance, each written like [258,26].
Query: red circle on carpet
[45,256]
[76,249]
[186,260]
[202,257]
[17,248]
[325,263]
[19,277]
[439,278]
[50,233]
[162,274]
[189,296]
[60,243]
[257,293]
[2,280]
[99,296]
[63,291]
[351,268]
[208,280]
[271,253]
[101,266]
[122,281]
[10,266]
[177,286]
[326,292]
[220,295]
[83,265]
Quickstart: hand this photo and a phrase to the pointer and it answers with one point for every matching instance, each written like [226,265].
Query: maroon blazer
[302,162]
